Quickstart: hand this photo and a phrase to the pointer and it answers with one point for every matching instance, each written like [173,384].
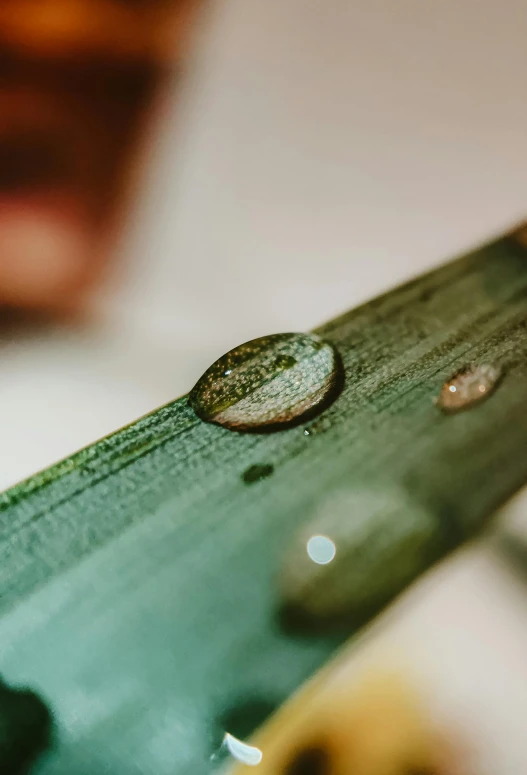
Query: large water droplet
[379,540]
[269,383]
[468,387]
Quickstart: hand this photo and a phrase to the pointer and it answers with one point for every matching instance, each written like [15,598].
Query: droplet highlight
[468,387]
[321,549]
[242,752]
[257,472]
[269,383]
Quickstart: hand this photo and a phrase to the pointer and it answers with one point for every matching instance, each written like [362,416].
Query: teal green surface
[138,578]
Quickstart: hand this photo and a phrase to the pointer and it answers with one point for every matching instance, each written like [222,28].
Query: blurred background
[179,176]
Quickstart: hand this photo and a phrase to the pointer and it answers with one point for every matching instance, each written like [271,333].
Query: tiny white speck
[244,753]
[321,549]
[227,372]
[482,388]
[452,388]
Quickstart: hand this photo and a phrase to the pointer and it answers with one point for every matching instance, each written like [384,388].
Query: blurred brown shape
[143,30]
[77,80]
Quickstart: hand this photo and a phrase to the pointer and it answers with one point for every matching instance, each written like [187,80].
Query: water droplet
[382,539]
[243,752]
[257,472]
[467,387]
[269,383]
[321,549]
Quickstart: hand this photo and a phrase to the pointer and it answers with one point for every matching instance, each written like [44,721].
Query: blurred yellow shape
[374,725]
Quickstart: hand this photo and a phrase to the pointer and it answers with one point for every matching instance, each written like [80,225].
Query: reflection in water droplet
[383,539]
[285,362]
[244,753]
[467,387]
[321,549]
[269,383]
[257,472]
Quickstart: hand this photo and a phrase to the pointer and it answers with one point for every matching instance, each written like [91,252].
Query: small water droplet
[257,472]
[321,549]
[381,540]
[269,383]
[467,387]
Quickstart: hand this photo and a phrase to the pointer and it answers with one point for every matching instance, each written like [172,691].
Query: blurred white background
[316,154]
